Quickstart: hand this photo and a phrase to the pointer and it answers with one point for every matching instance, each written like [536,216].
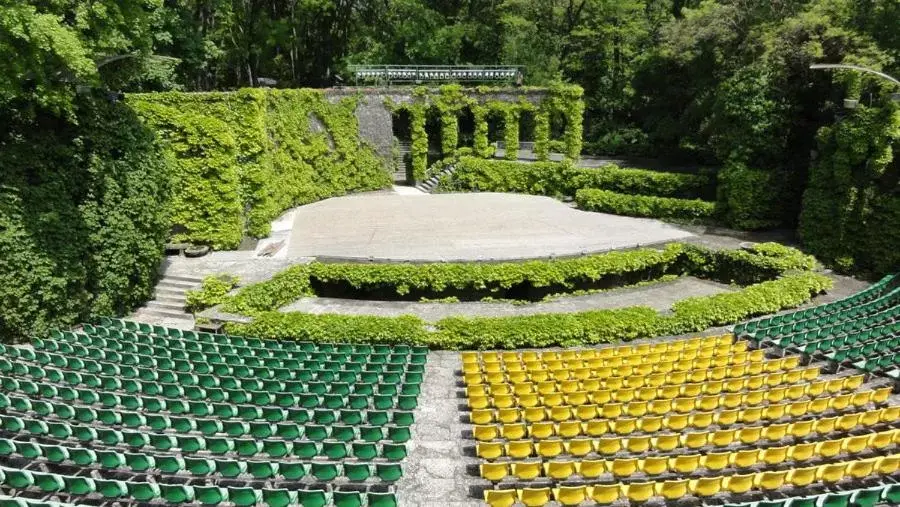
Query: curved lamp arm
[854,67]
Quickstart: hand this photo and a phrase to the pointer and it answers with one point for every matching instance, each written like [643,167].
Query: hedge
[565,179]
[436,280]
[605,201]
[584,328]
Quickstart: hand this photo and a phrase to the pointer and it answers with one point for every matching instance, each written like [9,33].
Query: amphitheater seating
[701,418]
[862,331]
[127,412]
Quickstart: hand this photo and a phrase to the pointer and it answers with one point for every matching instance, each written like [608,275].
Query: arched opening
[558,125]
[466,128]
[401,127]
[433,132]
[526,128]
[495,127]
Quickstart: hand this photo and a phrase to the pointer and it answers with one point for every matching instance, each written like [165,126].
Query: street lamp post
[842,66]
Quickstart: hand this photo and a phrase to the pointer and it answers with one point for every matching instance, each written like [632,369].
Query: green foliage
[542,135]
[247,156]
[750,198]
[604,201]
[548,330]
[83,216]
[557,179]
[213,291]
[851,208]
[492,280]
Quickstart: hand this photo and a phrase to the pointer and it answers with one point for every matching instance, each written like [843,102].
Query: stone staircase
[431,183]
[167,307]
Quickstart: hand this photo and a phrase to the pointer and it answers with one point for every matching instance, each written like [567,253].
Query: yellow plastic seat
[861,468]
[706,486]
[624,394]
[568,386]
[881,439]
[611,410]
[638,443]
[694,440]
[552,400]
[528,400]
[801,428]
[795,392]
[829,448]
[890,414]
[654,465]
[734,385]
[685,464]
[666,442]
[520,388]
[534,414]
[518,376]
[576,398]
[519,449]
[508,400]
[869,418]
[677,421]
[840,401]
[802,452]
[774,411]
[579,446]
[548,448]
[636,408]
[691,390]
[702,420]
[539,430]
[507,415]
[728,417]
[739,483]
[605,493]
[591,468]
[585,412]
[745,458]
[535,497]
[609,445]
[660,407]
[722,438]
[801,477]
[855,444]
[482,416]
[479,402]
[601,397]
[560,413]
[568,429]
[751,415]
[489,450]
[485,432]
[500,497]
[770,480]
[793,376]
[816,388]
[624,425]
[596,427]
[881,395]
[775,432]
[638,491]
[684,405]
[570,495]
[500,389]
[773,455]
[831,473]
[623,467]
[887,465]
[824,425]
[559,469]
[752,398]
[494,471]
[732,400]
[650,424]
[672,489]
[750,434]
[834,386]
[847,422]
[798,408]
[715,460]
[774,379]
[853,382]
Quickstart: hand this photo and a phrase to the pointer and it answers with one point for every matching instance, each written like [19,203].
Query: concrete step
[171,300]
[162,313]
[165,283]
[180,278]
[169,294]
[165,306]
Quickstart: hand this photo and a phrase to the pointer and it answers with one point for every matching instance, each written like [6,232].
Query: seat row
[599,353]
[107,348]
[650,387]
[551,440]
[845,332]
[852,323]
[200,466]
[864,497]
[109,489]
[696,370]
[703,487]
[686,464]
[682,360]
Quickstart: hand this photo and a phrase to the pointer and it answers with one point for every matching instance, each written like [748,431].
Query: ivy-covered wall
[244,157]
[851,207]
[448,102]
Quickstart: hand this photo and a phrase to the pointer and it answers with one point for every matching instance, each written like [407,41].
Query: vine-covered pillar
[542,133]
[480,141]
[511,132]
[449,133]
[574,113]
[419,146]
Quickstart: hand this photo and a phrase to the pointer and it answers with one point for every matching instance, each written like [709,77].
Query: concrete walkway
[659,296]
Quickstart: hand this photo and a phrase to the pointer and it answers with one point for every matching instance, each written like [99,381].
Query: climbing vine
[542,134]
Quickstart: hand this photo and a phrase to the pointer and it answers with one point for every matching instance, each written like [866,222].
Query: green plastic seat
[48,483]
[144,491]
[260,430]
[235,428]
[371,433]
[376,499]
[139,462]
[231,468]
[357,471]
[244,496]
[85,433]
[400,434]
[364,450]
[36,427]
[169,464]
[80,485]
[262,469]
[110,459]
[377,417]
[278,497]
[407,402]
[182,424]
[334,450]
[891,494]
[276,448]
[158,422]
[312,498]
[190,443]
[176,493]
[868,497]
[315,432]
[323,416]
[163,442]
[210,495]
[209,427]
[292,470]
[247,446]
[218,445]
[394,452]
[287,431]
[343,433]
[841,499]
[83,457]
[347,498]
[111,488]
[28,450]
[199,467]
[305,449]
[402,418]
[324,471]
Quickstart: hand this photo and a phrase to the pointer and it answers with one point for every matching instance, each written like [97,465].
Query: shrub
[213,291]
[591,199]
[563,178]
[750,198]
[584,328]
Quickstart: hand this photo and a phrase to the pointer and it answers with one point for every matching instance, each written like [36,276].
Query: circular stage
[462,227]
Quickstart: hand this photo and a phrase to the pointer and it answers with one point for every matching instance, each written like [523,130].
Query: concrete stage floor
[462,227]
